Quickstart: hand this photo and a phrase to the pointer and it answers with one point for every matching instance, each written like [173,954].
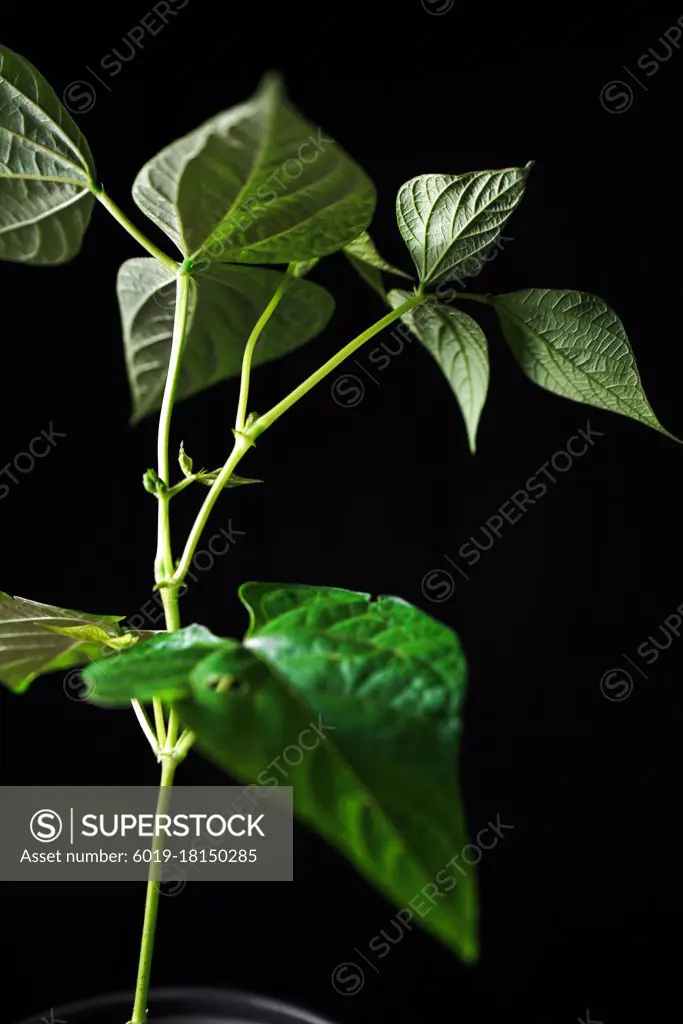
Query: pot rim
[242,1000]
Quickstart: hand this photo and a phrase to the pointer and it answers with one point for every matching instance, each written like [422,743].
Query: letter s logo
[46,826]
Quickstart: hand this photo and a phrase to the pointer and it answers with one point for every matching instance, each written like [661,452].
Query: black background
[581,901]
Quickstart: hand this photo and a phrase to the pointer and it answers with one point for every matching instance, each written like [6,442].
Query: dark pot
[180,1006]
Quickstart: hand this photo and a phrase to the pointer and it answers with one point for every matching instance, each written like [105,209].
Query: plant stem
[177,488]
[244,440]
[184,744]
[152,900]
[249,352]
[146,725]
[167,735]
[173,730]
[163,564]
[169,601]
[267,420]
[120,216]
[169,762]
[241,447]
[159,724]
[164,557]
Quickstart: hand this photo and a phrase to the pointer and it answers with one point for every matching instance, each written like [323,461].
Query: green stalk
[244,439]
[241,447]
[164,557]
[267,420]
[168,767]
[159,723]
[249,352]
[167,735]
[128,225]
[163,565]
[146,726]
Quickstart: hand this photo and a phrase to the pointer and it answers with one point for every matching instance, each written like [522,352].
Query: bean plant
[250,202]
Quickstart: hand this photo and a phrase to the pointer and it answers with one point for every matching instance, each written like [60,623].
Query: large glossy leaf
[356,704]
[365,259]
[225,303]
[256,184]
[459,346]
[450,222]
[381,634]
[46,169]
[268,602]
[31,643]
[573,344]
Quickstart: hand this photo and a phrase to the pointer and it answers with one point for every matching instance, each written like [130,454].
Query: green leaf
[235,480]
[363,700]
[364,258]
[38,638]
[375,781]
[256,184]
[459,346]
[208,478]
[375,687]
[225,303]
[97,635]
[450,222]
[573,344]
[46,169]
[266,602]
[358,702]
[184,461]
[157,667]
[388,634]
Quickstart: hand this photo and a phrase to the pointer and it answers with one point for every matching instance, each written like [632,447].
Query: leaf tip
[470,955]
[272,82]
[667,433]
